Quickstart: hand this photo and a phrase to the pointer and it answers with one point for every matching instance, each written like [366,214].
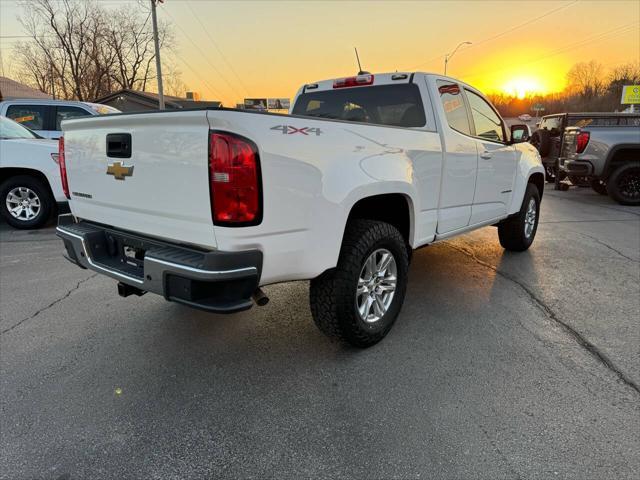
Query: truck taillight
[581,141]
[63,168]
[358,81]
[234,180]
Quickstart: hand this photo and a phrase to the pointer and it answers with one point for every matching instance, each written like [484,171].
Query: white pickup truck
[206,206]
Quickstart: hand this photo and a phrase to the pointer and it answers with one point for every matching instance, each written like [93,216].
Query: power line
[215,44]
[622,29]
[505,32]
[144,25]
[200,77]
[204,55]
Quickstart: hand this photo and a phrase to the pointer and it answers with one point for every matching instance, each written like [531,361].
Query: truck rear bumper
[576,167]
[220,282]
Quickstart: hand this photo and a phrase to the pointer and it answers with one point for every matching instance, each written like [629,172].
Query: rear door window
[393,105]
[31,116]
[454,107]
[66,112]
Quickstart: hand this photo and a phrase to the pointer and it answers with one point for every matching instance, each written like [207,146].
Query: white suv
[45,116]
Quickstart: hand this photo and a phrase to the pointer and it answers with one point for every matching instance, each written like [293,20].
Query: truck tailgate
[160,188]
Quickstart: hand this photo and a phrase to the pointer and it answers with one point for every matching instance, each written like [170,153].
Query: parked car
[525,117]
[204,207]
[548,137]
[30,185]
[45,116]
[606,151]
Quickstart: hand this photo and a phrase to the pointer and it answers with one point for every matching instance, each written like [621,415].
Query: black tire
[550,173]
[33,188]
[559,178]
[623,185]
[541,139]
[599,186]
[512,233]
[579,181]
[333,295]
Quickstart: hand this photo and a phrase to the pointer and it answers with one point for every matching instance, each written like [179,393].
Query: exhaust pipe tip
[260,298]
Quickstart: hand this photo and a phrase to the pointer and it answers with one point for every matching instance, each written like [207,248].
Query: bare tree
[628,74]
[80,50]
[586,79]
[173,84]
[131,40]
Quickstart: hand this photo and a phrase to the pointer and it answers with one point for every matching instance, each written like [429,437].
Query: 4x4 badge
[119,171]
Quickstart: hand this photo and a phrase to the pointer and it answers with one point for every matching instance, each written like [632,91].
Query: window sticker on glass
[24,119]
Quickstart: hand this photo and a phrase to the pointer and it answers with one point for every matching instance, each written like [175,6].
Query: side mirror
[520,133]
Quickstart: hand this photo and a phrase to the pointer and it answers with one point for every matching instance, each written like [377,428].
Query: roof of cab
[378,79]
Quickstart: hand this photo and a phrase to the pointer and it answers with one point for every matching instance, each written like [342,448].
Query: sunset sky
[269,48]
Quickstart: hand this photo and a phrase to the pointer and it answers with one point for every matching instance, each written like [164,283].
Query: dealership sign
[630,95]
[255,103]
[278,103]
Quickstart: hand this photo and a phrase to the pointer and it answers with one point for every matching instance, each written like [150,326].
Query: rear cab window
[391,105]
[31,116]
[65,112]
[552,124]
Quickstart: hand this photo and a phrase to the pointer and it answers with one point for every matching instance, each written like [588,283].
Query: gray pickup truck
[600,148]
[606,151]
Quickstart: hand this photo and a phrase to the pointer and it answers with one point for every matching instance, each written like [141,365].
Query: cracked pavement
[501,365]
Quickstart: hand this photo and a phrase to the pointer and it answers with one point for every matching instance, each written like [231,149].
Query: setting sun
[521,87]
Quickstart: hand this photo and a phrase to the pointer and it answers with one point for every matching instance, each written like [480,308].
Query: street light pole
[158,64]
[448,56]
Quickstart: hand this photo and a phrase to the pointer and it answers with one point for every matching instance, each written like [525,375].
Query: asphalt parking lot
[500,366]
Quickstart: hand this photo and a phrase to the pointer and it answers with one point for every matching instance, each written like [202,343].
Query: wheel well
[622,155]
[8,172]
[538,180]
[391,208]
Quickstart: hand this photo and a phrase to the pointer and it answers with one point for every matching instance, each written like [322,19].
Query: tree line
[590,88]
[78,49]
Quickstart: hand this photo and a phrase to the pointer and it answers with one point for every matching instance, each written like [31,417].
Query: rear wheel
[360,299]
[517,233]
[599,186]
[25,202]
[624,184]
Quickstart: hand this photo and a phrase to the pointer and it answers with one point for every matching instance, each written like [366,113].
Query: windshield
[10,129]
[395,105]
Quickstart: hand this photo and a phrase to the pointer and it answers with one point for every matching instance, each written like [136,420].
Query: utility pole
[154,19]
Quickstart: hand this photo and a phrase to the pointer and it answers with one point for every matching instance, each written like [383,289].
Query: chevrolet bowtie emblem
[119,171]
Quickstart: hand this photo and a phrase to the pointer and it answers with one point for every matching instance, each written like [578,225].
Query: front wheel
[517,233]
[360,299]
[550,173]
[25,202]
[624,184]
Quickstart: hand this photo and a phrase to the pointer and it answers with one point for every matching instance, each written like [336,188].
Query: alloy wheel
[530,218]
[23,204]
[376,285]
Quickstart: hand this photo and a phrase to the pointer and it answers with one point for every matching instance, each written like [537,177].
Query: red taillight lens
[358,81]
[234,179]
[581,141]
[63,168]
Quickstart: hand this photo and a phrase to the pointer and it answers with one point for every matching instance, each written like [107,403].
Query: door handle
[486,155]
